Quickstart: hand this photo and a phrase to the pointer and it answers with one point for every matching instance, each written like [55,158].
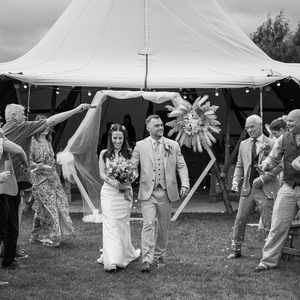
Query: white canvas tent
[147,43]
[140,44]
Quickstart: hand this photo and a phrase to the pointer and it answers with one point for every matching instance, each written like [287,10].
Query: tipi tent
[147,43]
[137,44]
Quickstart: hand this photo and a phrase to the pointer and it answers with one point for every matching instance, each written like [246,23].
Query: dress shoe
[146,267]
[49,243]
[21,254]
[234,255]
[262,268]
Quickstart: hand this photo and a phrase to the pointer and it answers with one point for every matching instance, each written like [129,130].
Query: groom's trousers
[156,218]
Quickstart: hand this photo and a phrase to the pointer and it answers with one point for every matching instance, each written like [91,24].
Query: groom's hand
[183,192]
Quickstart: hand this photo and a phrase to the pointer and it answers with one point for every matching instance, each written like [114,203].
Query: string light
[247,91]
[25,86]
[216,93]
[89,94]
[278,83]
[57,92]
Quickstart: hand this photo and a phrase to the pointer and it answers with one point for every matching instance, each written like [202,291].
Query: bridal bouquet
[124,172]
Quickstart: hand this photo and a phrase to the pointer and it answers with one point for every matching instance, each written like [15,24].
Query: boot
[236,250]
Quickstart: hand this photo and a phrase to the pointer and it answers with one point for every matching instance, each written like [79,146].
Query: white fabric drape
[79,158]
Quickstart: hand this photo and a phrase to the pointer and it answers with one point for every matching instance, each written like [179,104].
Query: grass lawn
[196,269]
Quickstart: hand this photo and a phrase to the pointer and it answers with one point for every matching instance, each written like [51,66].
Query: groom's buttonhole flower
[168,149]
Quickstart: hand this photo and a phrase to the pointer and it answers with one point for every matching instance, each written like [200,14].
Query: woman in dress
[118,250]
[51,220]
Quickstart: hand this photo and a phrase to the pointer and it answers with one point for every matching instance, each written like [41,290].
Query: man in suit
[159,158]
[256,189]
[285,150]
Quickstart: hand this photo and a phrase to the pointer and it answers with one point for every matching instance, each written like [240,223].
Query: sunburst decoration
[195,124]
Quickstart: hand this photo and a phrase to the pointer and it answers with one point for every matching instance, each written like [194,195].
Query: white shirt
[155,142]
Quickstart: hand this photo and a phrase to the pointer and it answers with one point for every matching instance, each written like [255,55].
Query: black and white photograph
[149,149]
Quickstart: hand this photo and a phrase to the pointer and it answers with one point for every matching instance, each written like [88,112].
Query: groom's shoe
[146,267]
[236,250]
[234,255]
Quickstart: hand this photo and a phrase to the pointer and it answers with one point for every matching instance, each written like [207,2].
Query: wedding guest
[130,129]
[8,189]
[286,149]
[255,190]
[160,160]
[20,131]
[118,250]
[278,127]
[51,220]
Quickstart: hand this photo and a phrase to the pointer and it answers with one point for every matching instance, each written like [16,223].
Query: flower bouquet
[124,171]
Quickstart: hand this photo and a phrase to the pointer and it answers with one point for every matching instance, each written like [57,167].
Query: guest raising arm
[20,131]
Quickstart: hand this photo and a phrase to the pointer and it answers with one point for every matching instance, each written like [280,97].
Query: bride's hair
[125,149]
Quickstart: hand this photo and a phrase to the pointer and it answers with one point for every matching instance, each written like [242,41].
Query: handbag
[22,172]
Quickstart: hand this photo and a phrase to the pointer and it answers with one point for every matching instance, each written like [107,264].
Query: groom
[159,159]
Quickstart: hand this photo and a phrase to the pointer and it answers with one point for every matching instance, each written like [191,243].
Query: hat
[296,163]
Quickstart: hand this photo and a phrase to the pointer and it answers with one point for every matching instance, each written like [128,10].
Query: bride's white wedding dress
[118,250]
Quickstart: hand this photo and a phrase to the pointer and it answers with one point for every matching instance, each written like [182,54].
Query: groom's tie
[254,161]
[156,146]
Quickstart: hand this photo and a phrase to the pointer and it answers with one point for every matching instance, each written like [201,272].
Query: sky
[24,22]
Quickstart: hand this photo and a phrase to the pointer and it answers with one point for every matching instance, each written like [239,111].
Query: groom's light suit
[158,188]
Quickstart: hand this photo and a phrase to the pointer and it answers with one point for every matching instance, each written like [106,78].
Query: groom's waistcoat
[159,170]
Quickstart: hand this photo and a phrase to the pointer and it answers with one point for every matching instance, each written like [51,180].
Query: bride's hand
[123,187]
[113,182]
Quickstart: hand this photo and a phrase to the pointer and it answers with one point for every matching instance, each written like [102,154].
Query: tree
[276,39]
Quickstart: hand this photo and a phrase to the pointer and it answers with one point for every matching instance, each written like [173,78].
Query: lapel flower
[168,149]
[265,148]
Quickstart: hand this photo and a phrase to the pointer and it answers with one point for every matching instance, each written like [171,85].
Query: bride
[118,250]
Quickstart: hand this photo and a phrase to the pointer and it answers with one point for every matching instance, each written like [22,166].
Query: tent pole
[146,72]
[28,100]
[261,108]
[146,41]
[261,102]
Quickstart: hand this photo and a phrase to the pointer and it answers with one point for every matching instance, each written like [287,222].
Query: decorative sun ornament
[194,124]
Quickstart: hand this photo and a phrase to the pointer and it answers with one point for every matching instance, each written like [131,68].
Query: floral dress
[51,219]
